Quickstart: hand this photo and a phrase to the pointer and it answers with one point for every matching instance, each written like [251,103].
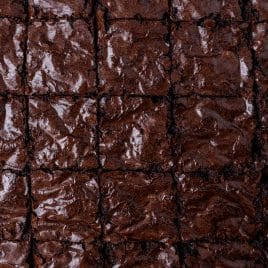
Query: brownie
[143,254]
[264,187]
[219,207]
[57,254]
[227,254]
[213,134]
[12,8]
[63,131]
[211,59]
[59,8]
[65,206]
[138,206]
[196,9]
[11,55]
[149,9]
[260,8]
[12,136]
[13,205]
[14,254]
[132,130]
[60,57]
[133,58]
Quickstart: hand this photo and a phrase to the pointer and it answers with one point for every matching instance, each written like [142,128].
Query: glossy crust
[261,9]
[219,208]
[12,8]
[63,132]
[11,56]
[131,130]
[138,206]
[212,49]
[213,134]
[133,58]
[65,206]
[60,57]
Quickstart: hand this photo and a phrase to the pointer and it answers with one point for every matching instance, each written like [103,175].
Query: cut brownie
[260,7]
[196,9]
[213,133]
[65,206]
[13,205]
[12,136]
[149,9]
[138,206]
[134,58]
[60,8]
[219,207]
[211,59]
[60,57]
[56,254]
[142,254]
[134,134]
[63,132]
[12,8]
[11,56]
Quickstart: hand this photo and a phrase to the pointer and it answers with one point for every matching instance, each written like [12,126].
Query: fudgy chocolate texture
[138,206]
[13,206]
[219,207]
[133,58]
[213,134]
[188,10]
[143,254]
[211,50]
[11,55]
[149,9]
[227,254]
[12,133]
[65,206]
[265,202]
[131,130]
[63,131]
[60,57]
[12,8]
[260,8]
[57,254]
[60,8]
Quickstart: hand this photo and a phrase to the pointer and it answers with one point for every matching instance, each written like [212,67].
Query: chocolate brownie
[133,58]
[213,134]
[12,133]
[13,205]
[57,254]
[196,9]
[219,207]
[63,131]
[132,130]
[227,254]
[65,206]
[60,57]
[143,254]
[12,8]
[149,9]
[11,55]
[211,59]
[60,8]
[260,8]
[265,201]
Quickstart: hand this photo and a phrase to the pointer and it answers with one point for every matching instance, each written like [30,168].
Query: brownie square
[132,129]
[133,58]
[60,57]
[57,254]
[12,8]
[65,206]
[213,133]
[229,254]
[149,9]
[11,56]
[219,207]
[63,132]
[12,136]
[211,59]
[138,206]
[260,7]
[13,205]
[142,254]
[196,9]
[59,8]
[14,254]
